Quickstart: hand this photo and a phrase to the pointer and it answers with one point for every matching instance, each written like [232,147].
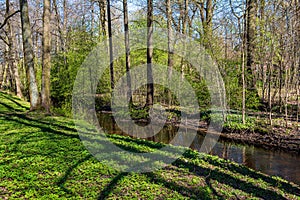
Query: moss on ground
[42,157]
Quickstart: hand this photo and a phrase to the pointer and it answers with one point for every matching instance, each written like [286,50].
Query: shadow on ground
[43,157]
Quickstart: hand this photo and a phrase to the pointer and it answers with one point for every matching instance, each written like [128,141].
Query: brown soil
[275,138]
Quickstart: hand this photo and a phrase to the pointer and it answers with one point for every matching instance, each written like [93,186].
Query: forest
[151,74]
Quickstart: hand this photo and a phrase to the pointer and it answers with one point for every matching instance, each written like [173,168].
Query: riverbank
[256,131]
[260,135]
[42,157]
[276,141]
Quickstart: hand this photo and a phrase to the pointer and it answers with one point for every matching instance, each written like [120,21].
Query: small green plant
[235,122]
[44,158]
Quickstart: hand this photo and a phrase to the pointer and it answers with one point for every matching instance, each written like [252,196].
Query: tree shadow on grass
[44,126]
[229,180]
[14,100]
[209,174]
[287,187]
[191,193]
[198,192]
[199,171]
[110,187]
[9,107]
[64,178]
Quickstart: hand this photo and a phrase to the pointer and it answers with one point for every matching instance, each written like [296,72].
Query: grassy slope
[42,157]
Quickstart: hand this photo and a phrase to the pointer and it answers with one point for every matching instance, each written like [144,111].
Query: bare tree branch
[7,18]
[4,40]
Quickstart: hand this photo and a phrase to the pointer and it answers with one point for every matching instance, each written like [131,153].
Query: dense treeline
[254,42]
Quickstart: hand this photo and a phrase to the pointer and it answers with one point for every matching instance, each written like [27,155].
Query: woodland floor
[42,157]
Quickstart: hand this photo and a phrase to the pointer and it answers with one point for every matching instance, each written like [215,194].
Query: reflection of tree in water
[196,145]
[249,158]
[225,151]
[267,161]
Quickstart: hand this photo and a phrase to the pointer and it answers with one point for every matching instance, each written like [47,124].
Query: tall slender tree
[111,52]
[150,86]
[103,21]
[209,17]
[46,60]
[251,10]
[185,16]
[29,56]
[170,48]
[12,53]
[127,48]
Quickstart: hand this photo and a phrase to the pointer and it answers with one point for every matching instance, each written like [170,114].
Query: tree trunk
[244,85]
[150,86]
[251,31]
[208,20]
[28,55]
[270,86]
[12,54]
[170,46]
[298,100]
[280,84]
[127,50]
[61,26]
[92,19]
[1,74]
[46,62]
[102,7]
[287,72]
[111,53]
[5,76]
[184,29]
[262,42]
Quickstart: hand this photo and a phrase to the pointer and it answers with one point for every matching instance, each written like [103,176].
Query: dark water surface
[285,165]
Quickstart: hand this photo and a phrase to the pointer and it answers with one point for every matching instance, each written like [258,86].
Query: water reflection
[270,162]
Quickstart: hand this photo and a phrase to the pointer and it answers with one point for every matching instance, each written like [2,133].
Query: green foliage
[43,158]
[232,77]
[200,88]
[253,101]
[235,122]
[134,114]
[65,67]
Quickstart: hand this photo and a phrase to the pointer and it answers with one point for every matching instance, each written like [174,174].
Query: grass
[42,157]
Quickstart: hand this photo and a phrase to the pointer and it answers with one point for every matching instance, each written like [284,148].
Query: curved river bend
[285,165]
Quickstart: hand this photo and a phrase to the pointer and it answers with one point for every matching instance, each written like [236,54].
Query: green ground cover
[42,157]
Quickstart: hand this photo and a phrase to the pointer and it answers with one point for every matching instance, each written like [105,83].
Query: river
[282,164]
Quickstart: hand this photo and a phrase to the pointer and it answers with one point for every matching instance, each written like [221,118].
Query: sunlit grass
[42,157]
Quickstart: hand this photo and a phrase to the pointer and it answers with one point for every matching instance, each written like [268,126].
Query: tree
[102,18]
[206,10]
[209,16]
[185,12]
[46,57]
[251,9]
[127,49]
[29,56]
[150,86]
[112,82]
[242,36]
[12,62]
[170,49]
